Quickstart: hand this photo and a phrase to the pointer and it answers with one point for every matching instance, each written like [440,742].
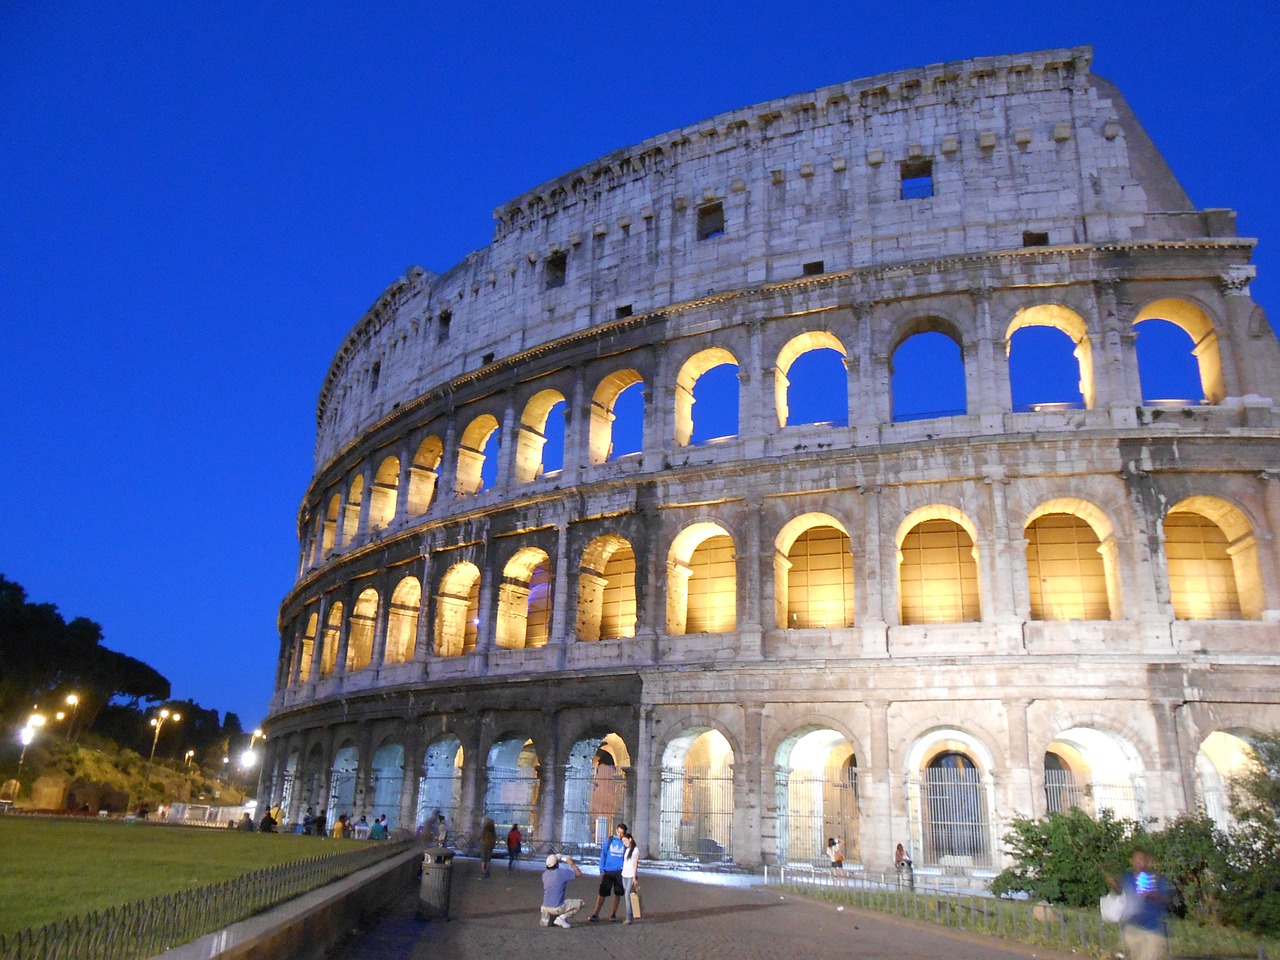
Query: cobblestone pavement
[497,919]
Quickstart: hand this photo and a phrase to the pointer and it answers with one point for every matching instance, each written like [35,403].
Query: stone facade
[895,630]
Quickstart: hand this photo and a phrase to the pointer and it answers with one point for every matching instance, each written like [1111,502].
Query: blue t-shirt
[611,857]
[554,883]
[1150,913]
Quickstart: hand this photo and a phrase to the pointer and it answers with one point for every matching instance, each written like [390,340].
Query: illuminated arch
[607,590]
[1199,326]
[695,815]
[792,350]
[524,600]
[364,617]
[471,454]
[815,787]
[938,567]
[307,648]
[1224,756]
[386,777]
[511,796]
[332,635]
[935,372]
[1072,562]
[595,788]
[690,372]
[440,787]
[603,403]
[402,620]
[458,610]
[330,531]
[534,430]
[384,493]
[351,514]
[1212,556]
[950,798]
[701,581]
[813,573]
[1070,323]
[423,474]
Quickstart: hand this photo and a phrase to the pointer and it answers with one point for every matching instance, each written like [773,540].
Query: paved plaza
[497,919]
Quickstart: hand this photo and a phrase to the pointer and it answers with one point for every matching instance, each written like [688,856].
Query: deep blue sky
[198,201]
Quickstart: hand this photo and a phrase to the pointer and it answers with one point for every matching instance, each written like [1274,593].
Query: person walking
[488,840]
[514,839]
[835,851]
[630,882]
[611,859]
[1146,894]
[555,881]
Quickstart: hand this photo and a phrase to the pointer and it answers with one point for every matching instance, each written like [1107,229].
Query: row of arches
[1050,350]
[1071,562]
[947,789]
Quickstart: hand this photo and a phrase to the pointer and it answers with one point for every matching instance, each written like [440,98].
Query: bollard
[437,884]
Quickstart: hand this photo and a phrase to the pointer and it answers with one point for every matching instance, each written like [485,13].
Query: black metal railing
[145,928]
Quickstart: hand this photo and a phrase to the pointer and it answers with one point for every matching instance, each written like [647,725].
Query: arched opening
[332,633]
[329,535]
[364,617]
[926,376]
[1222,757]
[813,574]
[617,417]
[440,788]
[342,783]
[702,583]
[816,774]
[1179,361]
[810,381]
[695,820]
[511,796]
[476,451]
[351,515]
[595,790]
[289,792]
[1093,770]
[938,568]
[386,781]
[949,800]
[423,475]
[402,620]
[308,644]
[383,494]
[1212,558]
[1050,359]
[458,610]
[1067,575]
[524,600]
[709,377]
[607,590]
[541,435]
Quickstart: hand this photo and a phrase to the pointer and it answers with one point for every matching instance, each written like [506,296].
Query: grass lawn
[53,869]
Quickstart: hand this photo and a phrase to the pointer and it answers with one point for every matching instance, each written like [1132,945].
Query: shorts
[611,882]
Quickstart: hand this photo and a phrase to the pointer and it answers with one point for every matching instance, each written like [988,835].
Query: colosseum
[658,508]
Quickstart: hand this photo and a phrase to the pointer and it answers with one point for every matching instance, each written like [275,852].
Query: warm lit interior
[1202,580]
[364,616]
[534,429]
[383,494]
[351,512]
[938,573]
[471,455]
[607,590]
[1066,575]
[702,584]
[814,577]
[402,620]
[423,475]
[524,600]
[458,610]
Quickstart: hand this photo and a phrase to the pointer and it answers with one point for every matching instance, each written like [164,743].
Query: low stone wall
[305,928]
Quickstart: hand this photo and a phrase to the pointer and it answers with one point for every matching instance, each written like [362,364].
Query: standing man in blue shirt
[611,857]
[1145,930]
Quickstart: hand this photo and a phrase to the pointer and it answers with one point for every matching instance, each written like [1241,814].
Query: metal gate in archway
[594,801]
[696,819]
[813,808]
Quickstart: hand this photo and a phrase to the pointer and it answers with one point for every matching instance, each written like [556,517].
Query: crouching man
[560,870]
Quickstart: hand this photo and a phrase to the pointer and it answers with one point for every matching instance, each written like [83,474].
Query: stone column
[1239,304]
[1022,796]
[751,602]
[659,401]
[366,497]
[551,776]
[560,636]
[880,567]
[378,655]
[642,766]
[870,396]
[344,631]
[748,787]
[1115,367]
[577,427]
[1268,561]
[402,485]
[412,741]
[474,777]
[1001,566]
[878,824]
[754,423]
[508,449]
[987,376]
[423,647]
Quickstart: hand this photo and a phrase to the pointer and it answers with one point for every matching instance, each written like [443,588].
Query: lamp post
[249,757]
[73,701]
[27,735]
[158,722]
[187,757]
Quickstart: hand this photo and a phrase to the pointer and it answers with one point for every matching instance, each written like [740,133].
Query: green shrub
[1063,857]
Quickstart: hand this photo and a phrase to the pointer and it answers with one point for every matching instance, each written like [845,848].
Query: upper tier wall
[1017,145]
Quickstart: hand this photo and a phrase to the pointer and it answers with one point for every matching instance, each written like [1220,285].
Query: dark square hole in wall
[813,268]
[374,375]
[486,359]
[917,179]
[442,324]
[1035,238]
[710,220]
[555,267]
[623,311]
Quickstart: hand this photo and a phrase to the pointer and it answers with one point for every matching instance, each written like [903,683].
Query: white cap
[552,860]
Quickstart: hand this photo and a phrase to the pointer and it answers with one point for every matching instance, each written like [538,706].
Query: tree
[1251,888]
[1063,857]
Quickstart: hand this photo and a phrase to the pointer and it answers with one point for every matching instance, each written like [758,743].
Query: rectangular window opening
[710,221]
[917,179]
[813,268]
[1035,238]
[486,359]
[442,324]
[555,267]
[621,312]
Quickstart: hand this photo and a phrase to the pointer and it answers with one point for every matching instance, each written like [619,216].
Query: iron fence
[813,808]
[950,817]
[1063,791]
[696,819]
[145,928]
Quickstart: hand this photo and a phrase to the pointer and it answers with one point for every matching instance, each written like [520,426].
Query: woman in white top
[630,883]
[835,850]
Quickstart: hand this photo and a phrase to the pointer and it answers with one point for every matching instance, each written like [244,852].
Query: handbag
[1116,907]
[635,904]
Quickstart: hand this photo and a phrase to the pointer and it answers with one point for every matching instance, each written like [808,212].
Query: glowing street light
[187,757]
[73,701]
[158,723]
[25,737]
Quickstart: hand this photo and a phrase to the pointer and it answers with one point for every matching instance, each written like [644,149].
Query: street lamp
[187,756]
[73,701]
[158,722]
[25,737]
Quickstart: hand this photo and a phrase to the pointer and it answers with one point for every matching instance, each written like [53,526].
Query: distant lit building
[894,620]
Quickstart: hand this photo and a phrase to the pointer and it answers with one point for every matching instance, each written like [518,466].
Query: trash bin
[437,883]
